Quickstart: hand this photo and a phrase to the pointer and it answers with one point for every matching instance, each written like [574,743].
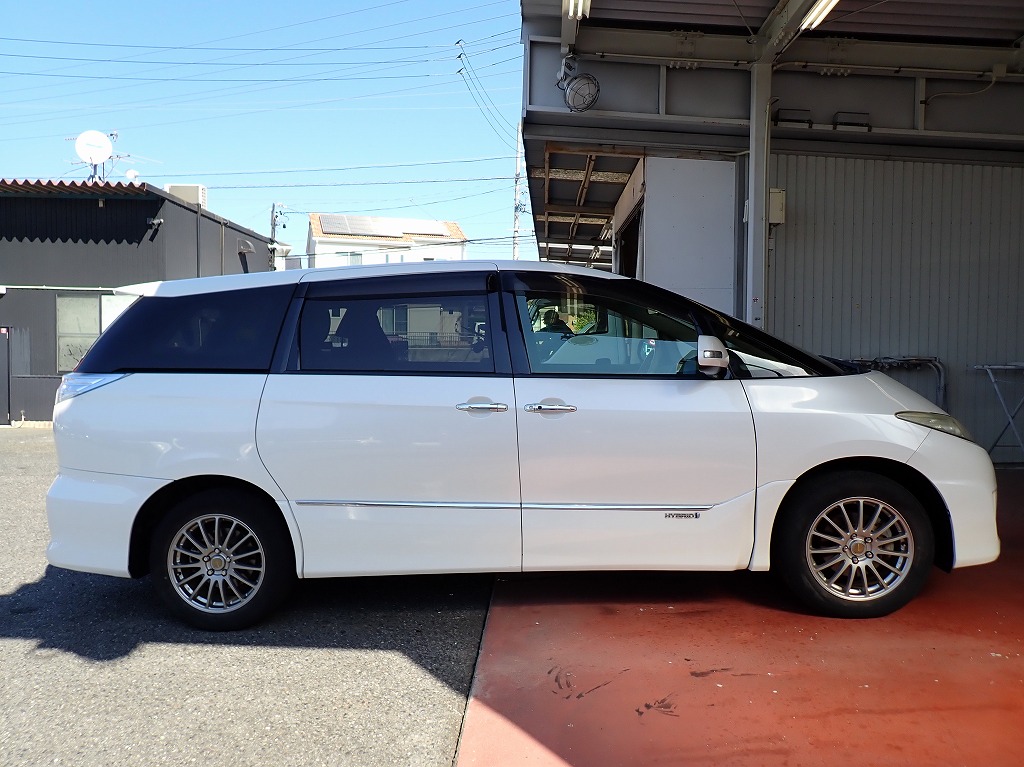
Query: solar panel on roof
[375,226]
[339,223]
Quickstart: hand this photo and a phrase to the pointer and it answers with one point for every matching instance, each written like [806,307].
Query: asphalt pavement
[362,671]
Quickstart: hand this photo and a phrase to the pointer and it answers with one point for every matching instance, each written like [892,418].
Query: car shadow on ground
[436,621]
[104,618]
[692,591]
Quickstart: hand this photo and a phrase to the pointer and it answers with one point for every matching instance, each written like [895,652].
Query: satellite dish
[132,175]
[93,147]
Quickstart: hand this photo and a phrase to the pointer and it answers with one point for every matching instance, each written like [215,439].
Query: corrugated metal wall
[900,258]
[32,397]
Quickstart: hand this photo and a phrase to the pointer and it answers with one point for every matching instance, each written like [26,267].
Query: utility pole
[519,206]
[275,214]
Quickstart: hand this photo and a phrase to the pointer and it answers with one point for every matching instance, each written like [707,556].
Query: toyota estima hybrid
[227,435]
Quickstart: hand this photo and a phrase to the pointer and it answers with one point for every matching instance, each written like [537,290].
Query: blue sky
[345,107]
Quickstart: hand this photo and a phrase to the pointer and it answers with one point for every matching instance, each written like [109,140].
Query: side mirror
[712,356]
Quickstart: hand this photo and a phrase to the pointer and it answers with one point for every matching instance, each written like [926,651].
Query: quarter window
[228,331]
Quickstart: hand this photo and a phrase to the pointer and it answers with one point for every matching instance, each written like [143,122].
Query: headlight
[937,421]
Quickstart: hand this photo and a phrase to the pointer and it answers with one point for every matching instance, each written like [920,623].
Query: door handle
[482,407]
[540,407]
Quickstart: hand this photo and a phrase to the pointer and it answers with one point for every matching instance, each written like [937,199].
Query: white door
[630,458]
[642,474]
[391,466]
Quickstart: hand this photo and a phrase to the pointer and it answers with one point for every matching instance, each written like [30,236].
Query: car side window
[226,331]
[395,334]
[586,328]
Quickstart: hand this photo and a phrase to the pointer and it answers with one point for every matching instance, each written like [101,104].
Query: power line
[213,93]
[234,114]
[475,80]
[276,29]
[363,183]
[282,63]
[283,48]
[275,49]
[353,198]
[261,80]
[483,101]
[329,170]
[237,85]
[487,115]
[354,210]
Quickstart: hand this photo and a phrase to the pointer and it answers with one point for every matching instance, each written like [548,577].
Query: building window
[78,325]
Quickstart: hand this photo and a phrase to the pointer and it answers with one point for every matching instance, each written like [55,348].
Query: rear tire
[222,559]
[853,545]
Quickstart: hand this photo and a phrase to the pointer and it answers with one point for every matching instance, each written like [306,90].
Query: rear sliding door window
[396,334]
[229,331]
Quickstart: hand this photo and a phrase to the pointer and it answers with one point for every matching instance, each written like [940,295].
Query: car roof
[216,284]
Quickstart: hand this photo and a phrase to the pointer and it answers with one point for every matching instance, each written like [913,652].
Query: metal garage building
[64,245]
[856,188]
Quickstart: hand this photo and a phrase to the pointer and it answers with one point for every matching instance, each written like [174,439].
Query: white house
[336,239]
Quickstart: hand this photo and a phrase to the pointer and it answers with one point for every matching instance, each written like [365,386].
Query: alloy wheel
[215,563]
[860,549]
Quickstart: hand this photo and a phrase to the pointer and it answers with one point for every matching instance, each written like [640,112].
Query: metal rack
[1011,414]
[911,363]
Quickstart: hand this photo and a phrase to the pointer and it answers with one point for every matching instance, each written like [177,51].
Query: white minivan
[227,435]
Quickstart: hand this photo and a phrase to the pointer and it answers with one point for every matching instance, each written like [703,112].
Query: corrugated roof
[41,188]
[326,226]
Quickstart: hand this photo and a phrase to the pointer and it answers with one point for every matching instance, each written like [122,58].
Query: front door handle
[482,407]
[540,407]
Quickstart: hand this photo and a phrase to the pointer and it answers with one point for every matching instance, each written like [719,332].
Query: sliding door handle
[540,407]
[482,407]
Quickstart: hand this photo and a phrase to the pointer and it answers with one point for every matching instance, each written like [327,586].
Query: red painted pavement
[724,669]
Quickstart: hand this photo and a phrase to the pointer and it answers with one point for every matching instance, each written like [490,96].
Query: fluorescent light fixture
[814,16]
[580,8]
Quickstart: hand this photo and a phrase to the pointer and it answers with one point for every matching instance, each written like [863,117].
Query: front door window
[569,330]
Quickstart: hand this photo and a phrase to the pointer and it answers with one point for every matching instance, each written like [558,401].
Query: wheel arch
[914,481]
[154,509]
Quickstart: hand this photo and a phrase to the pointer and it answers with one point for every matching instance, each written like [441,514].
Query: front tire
[854,545]
[222,559]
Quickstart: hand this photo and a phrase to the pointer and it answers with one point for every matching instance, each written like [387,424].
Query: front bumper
[962,472]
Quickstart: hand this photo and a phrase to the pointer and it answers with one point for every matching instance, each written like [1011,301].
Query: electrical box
[776,206]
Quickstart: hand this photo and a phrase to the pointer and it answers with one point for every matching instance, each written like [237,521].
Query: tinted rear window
[229,331]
